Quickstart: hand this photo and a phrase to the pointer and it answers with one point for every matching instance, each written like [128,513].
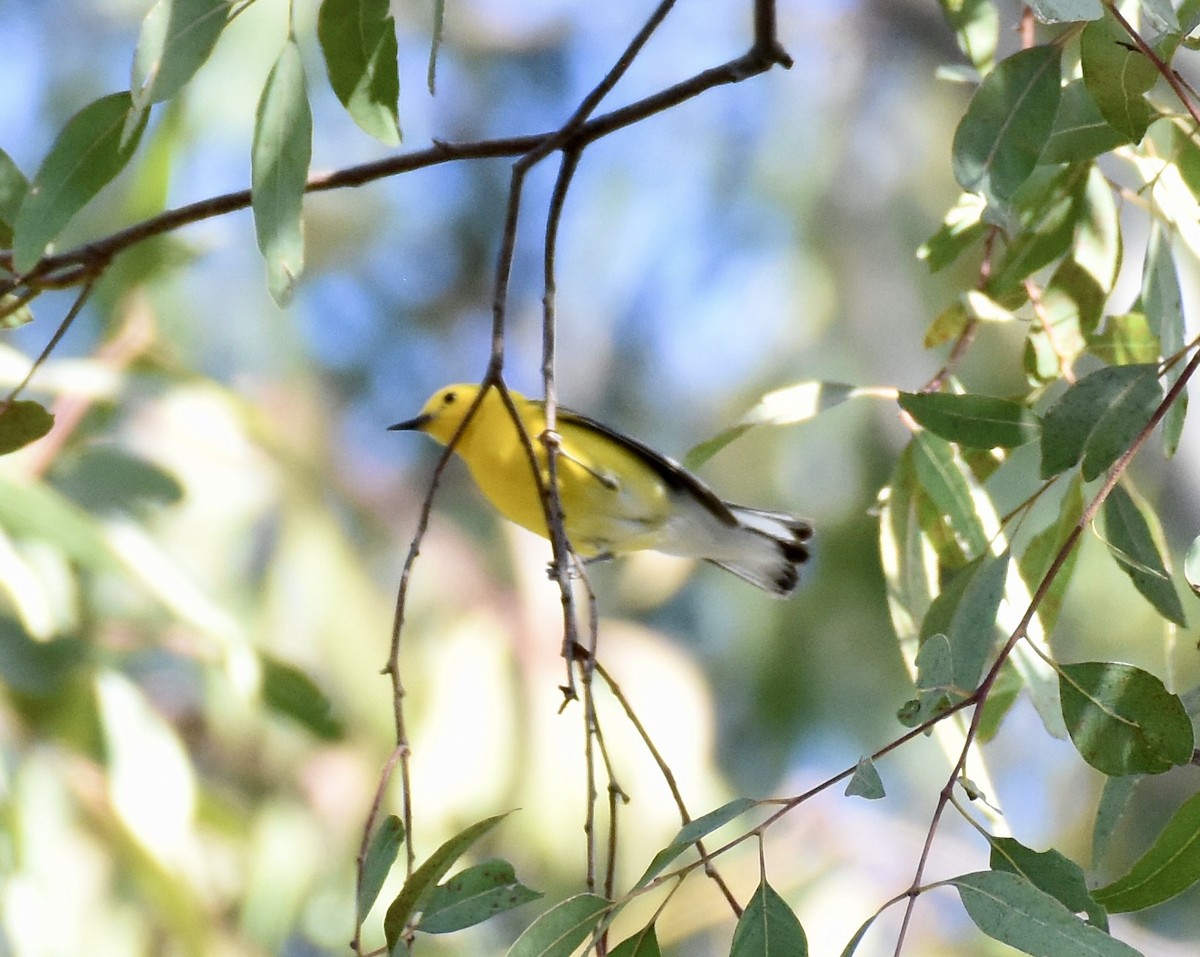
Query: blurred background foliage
[206,547]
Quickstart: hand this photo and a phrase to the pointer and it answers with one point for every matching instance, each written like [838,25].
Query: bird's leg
[573,572]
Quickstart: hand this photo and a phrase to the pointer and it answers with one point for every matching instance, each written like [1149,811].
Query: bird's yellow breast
[612,502]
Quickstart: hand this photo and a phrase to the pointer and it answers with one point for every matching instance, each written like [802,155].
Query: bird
[618,495]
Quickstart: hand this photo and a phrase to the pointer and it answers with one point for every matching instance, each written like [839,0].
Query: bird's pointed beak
[412,425]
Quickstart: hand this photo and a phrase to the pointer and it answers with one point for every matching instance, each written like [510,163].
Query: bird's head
[442,414]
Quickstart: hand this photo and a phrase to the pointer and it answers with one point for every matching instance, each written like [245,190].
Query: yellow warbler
[617,494]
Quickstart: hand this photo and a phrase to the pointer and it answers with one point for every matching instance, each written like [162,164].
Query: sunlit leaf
[1126,339]
[425,878]
[1007,124]
[91,149]
[37,512]
[768,928]
[358,39]
[1132,544]
[865,782]
[692,832]
[1118,76]
[22,422]
[176,39]
[962,227]
[1040,553]
[1170,867]
[906,553]
[965,612]
[381,855]
[1122,720]
[279,169]
[562,928]
[1011,910]
[1072,304]
[1162,303]
[941,475]
[979,421]
[976,25]
[472,896]
[642,944]
[1098,417]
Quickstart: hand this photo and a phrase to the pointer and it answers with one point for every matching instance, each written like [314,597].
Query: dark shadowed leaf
[978,421]
[1118,76]
[1114,799]
[472,896]
[13,187]
[562,928]
[1007,124]
[22,422]
[1131,542]
[1050,871]
[965,612]
[91,149]
[865,782]
[768,928]
[289,691]
[692,832]
[36,668]
[381,855]
[642,944]
[1162,303]
[943,476]
[1170,867]
[1122,720]
[1080,130]
[358,39]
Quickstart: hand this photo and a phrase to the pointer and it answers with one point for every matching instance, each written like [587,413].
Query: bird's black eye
[449,397]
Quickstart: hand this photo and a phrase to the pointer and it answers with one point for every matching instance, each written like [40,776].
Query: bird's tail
[775,549]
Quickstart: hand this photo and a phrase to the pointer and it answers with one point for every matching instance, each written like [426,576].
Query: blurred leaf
[1114,799]
[961,228]
[1097,247]
[642,944]
[279,170]
[104,478]
[787,406]
[1162,303]
[289,691]
[1007,124]
[1191,566]
[907,555]
[22,422]
[176,39]
[1118,76]
[941,474]
[692,832]
[91,149]
[947,325]
[1004,694]
[865,782]
[768,928]
[965,612]
[13,314]
[976,25]
[435,45]
[37,512]
[424,879]
[13,187]
[1132,544]
[1040,553]
[381,855]
[36,667]
[1170,867]
[1066,11]
[1049,871]
[1011,910]
[1126,339]
[978,421]
[472,896]
[1072,304]
[562,928]
[1122,720]
[1097,418]
[1080,130]
[358,40]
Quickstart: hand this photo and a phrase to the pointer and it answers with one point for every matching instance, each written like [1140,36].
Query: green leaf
[1049,871]
[424,879]
[176,39]
[1132,544]
[1039,554]
[906,553]
[787,406]
[965,612]
[1047,210]
[768,928]
[13,187]
[976,26]
[1011,910]
[289,691]
[1097,418]
[1118,76]
[37,512]
[91,149]
[562,928]
[1162,303]
[1170,867]
[1114,800]
[472,896]
[1007,124]
[1191,566]
[978,421]
[865,782]
[381,855]
[439,25]
[279,169]
[358,39]
[642,944]
[37,668]
[1066,11]
[1122,720]
[961,228]
[692,832]
[1080,130]
[1097,248]
[22,422]
[1126,339]
[104,478]
[942,476]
